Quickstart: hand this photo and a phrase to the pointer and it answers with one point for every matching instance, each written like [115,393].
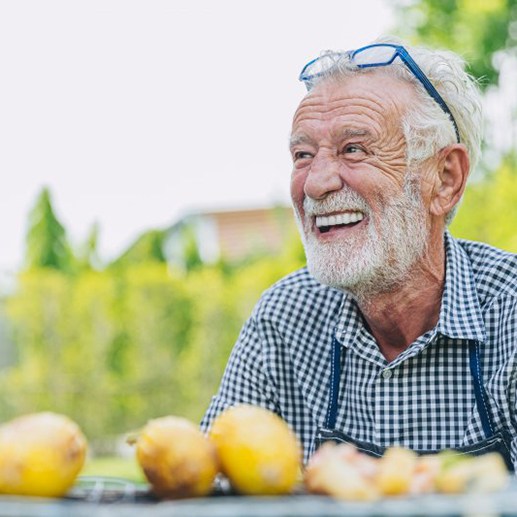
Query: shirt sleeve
[245,380]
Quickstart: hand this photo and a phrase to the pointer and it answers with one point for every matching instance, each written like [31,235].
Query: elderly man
[396,333]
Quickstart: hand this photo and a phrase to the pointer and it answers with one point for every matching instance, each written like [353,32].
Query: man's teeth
[323,221]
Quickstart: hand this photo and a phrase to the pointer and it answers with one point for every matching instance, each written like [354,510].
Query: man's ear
[453,170]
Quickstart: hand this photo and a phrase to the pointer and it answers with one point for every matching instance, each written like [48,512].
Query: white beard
[376,259]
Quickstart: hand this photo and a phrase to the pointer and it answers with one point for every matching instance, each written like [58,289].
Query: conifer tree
[47,243]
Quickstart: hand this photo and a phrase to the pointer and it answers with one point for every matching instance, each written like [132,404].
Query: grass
[112,466]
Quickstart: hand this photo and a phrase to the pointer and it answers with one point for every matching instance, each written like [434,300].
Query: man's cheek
[297,193]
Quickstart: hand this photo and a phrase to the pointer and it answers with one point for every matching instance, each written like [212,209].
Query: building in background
[230,235]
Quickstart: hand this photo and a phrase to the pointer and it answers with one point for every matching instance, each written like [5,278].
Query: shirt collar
[350,320]
[460,312]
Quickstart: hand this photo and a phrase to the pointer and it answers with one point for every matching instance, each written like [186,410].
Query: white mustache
[345,199]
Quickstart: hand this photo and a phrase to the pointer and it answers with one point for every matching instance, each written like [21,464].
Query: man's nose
[323,177]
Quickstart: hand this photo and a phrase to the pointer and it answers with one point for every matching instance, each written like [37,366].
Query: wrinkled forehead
[374,91]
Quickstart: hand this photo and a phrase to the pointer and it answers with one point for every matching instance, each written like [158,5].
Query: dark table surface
[127,500]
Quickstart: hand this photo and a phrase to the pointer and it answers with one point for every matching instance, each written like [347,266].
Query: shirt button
[386,374]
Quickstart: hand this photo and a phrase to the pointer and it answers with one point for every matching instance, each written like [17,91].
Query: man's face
[360,212]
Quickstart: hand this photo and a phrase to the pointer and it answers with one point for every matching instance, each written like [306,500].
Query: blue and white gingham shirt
[424,399]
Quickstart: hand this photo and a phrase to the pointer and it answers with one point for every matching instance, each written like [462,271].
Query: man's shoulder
[296,290]
[299,279]
[494,269]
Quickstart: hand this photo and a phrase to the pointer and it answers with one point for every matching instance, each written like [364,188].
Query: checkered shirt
[424,399]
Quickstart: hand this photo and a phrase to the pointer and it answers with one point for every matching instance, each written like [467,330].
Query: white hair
[427,128]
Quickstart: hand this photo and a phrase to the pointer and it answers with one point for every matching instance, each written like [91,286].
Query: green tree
[489,211]
[63,330]
[113,348]
[485,33]
[154,315]
[191,256]
[47,243]
[476,29]
[147,248]
[88,256]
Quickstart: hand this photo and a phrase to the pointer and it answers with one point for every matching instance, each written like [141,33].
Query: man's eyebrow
[299,139]
[347,133]
[351,133]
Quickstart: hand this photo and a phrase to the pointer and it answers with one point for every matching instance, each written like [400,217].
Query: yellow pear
[176,457]
[258,452]
[341,472]
[396,471]
[40,455]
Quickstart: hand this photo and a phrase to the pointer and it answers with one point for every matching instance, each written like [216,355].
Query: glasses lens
[320,66]
[375,55]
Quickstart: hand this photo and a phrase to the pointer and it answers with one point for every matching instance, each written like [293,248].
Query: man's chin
[361,271]
[362,286]
[337,276]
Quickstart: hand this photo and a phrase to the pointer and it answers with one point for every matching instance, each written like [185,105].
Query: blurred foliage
[47,244]
[482,32]
[191,256]
[148,247]
[113,348]
[476,29]
[489,209]
[87,256]
[114,466]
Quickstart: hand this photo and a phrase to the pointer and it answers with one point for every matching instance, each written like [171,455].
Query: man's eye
[302,155]
[353,148]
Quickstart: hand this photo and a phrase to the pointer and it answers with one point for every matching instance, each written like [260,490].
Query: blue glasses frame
[399,51]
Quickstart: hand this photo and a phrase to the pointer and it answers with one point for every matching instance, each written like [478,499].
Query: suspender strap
[479,389]
[475,369]
[330,420]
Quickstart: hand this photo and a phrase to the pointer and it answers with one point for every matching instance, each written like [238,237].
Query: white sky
[134,113]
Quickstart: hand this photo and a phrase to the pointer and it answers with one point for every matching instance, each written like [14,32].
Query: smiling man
[396,333]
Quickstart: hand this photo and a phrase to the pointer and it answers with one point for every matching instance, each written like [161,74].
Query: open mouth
[325,223]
